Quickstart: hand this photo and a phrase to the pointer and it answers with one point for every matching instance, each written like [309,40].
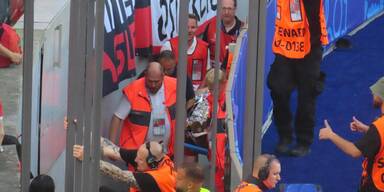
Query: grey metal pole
[250,93]
[90,78]
[215,98]
[181,85]
[96,121]
[27,94]
[76,72]
[261,39]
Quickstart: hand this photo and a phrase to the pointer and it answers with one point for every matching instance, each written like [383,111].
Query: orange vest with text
[292,37]
[164,175]
[135,127]
[378,164]
[247,187]
[197,61]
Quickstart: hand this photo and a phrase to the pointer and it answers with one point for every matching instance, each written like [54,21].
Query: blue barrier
[197,149]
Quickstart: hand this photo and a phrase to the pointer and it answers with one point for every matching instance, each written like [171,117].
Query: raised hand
[357,125]
[325,132]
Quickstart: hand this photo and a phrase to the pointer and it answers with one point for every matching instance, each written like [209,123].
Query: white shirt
[158,114]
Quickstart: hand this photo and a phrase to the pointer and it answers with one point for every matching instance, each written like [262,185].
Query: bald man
[265,175]
[155,171]
[147,111]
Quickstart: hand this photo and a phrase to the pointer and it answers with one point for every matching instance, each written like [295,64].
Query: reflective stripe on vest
[135,127]
[244,187]
[292,36]
[378,164]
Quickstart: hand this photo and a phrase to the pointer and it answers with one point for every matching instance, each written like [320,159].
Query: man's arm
[14,57]
[115,125]
[109,149]
[118,174]
[121,113]
[346,146]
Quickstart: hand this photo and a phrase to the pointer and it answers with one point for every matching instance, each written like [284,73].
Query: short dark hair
[42,183]
[193,16]
[166,54]
[235,3]
[194,172]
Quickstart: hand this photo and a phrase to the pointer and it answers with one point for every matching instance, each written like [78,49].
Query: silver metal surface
[215,98]
[76,87]
[181,85]
[254,87]
[27,94]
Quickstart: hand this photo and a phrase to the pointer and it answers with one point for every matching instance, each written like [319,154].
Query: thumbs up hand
[325,132]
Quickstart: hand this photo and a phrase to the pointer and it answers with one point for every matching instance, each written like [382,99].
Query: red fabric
[199,56]
[16,10]
[221,108]
[143,28]
[221,140]
[225,39]
[11,40]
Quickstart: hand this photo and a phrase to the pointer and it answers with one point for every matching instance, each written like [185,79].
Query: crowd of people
[146,112]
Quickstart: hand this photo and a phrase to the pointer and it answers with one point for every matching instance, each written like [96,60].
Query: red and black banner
[119,43]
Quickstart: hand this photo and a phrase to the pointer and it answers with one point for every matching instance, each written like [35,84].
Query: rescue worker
[147,110]
[300,33]
[167,59]
[265,175]
[197,53]
[155,170]
[10,51]
[230,30]
[190,178]
[370,146]
[221,134]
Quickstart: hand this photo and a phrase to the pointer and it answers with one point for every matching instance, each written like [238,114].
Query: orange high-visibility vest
[164,175]
[135,127]
[378,164]
[245,187]
[292,37]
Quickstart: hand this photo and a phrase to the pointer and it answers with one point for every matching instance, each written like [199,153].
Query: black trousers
[12,140]
[285,76]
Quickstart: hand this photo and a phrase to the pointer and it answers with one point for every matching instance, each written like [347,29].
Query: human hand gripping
[16,58]
[326,132]
[357,125]
[78,152]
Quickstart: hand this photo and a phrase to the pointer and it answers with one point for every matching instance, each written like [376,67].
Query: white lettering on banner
[124,9]
[165,17]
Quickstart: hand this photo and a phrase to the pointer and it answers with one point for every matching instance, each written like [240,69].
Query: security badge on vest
[159,127]
[197,68]
[292,35]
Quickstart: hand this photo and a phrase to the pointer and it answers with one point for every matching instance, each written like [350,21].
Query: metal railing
[85,84]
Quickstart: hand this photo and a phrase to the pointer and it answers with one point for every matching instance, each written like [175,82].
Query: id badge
[197,68]
[295,9]
[159,127]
